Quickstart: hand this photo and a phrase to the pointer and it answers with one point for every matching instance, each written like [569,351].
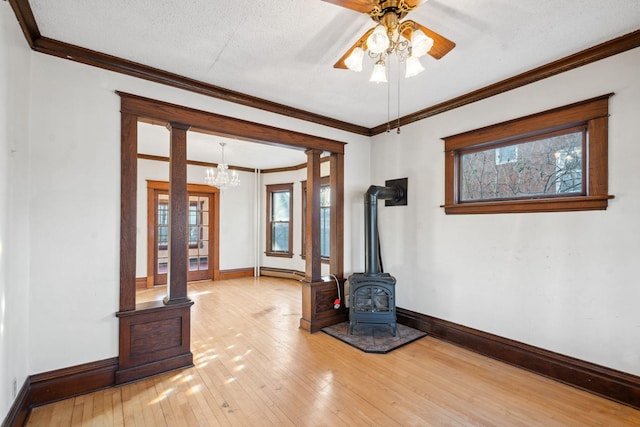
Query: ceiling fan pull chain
[389,106]
[398,74]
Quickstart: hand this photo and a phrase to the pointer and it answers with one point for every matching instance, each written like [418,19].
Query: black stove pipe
[371,254]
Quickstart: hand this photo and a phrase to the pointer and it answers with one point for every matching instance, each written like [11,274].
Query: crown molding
[587,56]
[41,44]
[60,49]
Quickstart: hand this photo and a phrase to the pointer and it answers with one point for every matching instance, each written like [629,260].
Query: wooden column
[128,201]
[177,283]
[154,336]
[336,179]
[312,250]
[318,295]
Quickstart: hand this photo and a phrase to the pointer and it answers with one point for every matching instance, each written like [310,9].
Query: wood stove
[372,300]
[372,293]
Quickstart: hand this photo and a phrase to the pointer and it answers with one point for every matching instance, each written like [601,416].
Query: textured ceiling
[284,50]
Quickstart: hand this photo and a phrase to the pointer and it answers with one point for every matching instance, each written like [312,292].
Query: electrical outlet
[14,388]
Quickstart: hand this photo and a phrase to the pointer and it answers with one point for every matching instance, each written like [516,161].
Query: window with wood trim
[280,220]
[552,161]
[325,219]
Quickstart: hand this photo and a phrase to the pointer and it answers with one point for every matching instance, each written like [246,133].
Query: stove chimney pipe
[371,255]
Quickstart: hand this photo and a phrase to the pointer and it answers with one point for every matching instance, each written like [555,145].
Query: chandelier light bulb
[219,176]
[413,66]
[379,74]
[354,61]
[378,41]
[420,43]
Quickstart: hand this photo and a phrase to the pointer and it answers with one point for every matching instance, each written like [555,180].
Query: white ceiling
[154,140]
[284,50]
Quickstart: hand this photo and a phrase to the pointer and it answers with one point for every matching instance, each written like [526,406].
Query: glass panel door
[198,237]
[162,239]
[198,231]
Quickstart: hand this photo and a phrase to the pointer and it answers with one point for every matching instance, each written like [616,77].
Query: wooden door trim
[153,187]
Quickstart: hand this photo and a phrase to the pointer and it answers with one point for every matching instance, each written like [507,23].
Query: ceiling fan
[407,39]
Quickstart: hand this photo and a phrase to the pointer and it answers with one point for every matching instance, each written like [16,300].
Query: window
[325,218]
[551,161]
[279,220]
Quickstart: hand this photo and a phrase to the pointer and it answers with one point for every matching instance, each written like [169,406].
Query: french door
[202,241]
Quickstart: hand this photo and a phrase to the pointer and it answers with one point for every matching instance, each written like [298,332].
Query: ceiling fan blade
[362,41]
[441,45]
[414,3]
[364,6]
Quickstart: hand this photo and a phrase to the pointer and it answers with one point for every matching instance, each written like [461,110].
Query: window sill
[280,254]
[556,204]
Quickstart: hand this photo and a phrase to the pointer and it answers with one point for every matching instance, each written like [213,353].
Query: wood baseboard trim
[64,383]
[282,273]
[60,384]
[605,382]
[236,273]
[141,283]
[19,411]
[136,373]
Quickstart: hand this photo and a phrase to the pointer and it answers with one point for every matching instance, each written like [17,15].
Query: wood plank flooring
[255,367]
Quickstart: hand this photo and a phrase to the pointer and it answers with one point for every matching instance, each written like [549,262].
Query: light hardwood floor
[254,367]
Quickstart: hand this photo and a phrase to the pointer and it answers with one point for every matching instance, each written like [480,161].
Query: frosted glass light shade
[378,41]
[354,61]
[379,74]
[420,43]
[413,66]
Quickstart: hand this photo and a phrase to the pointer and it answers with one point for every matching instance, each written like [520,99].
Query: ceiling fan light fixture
[354,61]
[379,74]
[413,66]
[420,43]
[378,41]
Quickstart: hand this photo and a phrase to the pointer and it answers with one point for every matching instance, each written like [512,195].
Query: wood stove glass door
[372,299]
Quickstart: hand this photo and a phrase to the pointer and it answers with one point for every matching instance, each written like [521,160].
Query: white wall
[75,203]
[14,185]
[566,282]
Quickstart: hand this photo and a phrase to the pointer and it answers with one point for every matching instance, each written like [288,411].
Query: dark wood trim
[336,179]
[141,283]
[128,209]
[60,49]
[601,51]
[193,162]
[608,383]
[141,71]
[236,273]
[320,311]
[313,260]
[178,205]
[52,386]
[591,114]
[207,122]
[67,382]
[154,338]
[293,168]
[277,188]
[153,187]
[27,21]
[19,410]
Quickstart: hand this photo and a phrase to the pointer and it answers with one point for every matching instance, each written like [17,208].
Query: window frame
[592,113]
[271,189]
[325,181]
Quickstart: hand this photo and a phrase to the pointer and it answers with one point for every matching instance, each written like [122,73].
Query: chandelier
[220,176]
[405,40]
